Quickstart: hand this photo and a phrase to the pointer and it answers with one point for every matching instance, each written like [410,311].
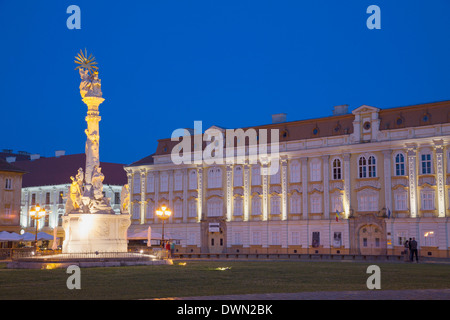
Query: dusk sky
[166,64]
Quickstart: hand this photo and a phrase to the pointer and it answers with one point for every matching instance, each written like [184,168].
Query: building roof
[143,161]
[58,170]
[6,166]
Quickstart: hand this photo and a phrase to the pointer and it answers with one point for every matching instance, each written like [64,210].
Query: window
[316,203]
[256,238]
[275,178]
[368,200]
[400,200]
[192,208]
[214,178]
[136,211]
[256,205]
[214,206]
[137,183]
[116,197]
[276,238]
[367,167]
[256,176]
[337,239]
[8,183]
[191,236]
[238,206]
[164,183]
[60,219]
[178,181]
[402,237]
[429,239]
[47,198]
[315,170]
[178,209]
[295,171]
[425,163]
[296,203]
[295,238]
[150,210]
[336,202]
[427,199]
[399,165]
[46,220]
[150,182]
[193,180]
[8,212]
[275,205]
[315,239]
[237,238]
[33,199]
[238,177]
[61,197]
[337,169]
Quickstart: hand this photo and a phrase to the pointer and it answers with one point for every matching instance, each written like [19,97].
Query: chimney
[340,110]
[10,159]
[279,118]
[35,156]
[59,153]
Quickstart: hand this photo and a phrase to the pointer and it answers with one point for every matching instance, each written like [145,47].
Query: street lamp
[36,213]
[163,213]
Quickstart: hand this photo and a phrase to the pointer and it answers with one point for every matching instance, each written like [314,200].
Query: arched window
[316,203]
[150,182]
[214,178]
[337,169]
[192,208]
[150,209]
[399,164]
[215,207]
[178,209]
[315,167]
[136,211]
[238,177]
[275,178]
[367,168]
[337,202]
[164,183]
[295,171]
[295,203]
[178,180]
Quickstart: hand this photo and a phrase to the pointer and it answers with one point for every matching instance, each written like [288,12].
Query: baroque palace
[352,183]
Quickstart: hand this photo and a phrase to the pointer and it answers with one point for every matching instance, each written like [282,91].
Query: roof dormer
[366,124]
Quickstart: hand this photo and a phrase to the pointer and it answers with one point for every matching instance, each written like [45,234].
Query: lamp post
[36,213]
[163,213]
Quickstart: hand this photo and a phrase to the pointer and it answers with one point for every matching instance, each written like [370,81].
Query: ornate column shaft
[185,195]
[412,174]
[246,192]
[326,187]
[284,185]
[229,191]
[143,201]
[305,210]
[347,182]
[265,187]
[199,193]
[387,180]
[439,150]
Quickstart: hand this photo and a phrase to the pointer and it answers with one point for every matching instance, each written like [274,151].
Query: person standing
[406,252]
[414,250]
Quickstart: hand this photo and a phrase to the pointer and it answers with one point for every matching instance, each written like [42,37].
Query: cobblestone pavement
[429,294]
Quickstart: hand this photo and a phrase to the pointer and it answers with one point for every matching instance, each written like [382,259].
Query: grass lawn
[198,278]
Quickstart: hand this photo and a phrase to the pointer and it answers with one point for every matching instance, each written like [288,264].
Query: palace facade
[351,183]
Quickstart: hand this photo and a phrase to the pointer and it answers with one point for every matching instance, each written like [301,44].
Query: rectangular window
[116,197]
[276,238]
[47,198]
[8,183]
[192,209]
[60,220]
[400,201]
[315,239]
[33,199]
[237,238]
[316,204]
[315,171]
[426,164]
[256,238]
[150,183]
[61,197]
[427,200]
[295,238]
[337,239]
[191,238]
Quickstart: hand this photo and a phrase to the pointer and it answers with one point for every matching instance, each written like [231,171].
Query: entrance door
[215,242]
[370,240]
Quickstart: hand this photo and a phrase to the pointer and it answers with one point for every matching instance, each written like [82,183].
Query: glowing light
[182,263]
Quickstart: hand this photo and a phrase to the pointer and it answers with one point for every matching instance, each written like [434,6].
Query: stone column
[143,201]
[284,186]
[185,194]
[171,173]
[199,193]
[156,182]
[440,181]
[387,180]
[305,210]
[265,187]
[130,188]
[326,187]
[246,191]
[412,174]
[229,191]
[347,182]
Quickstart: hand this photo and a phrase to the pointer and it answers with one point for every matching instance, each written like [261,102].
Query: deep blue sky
[232,63]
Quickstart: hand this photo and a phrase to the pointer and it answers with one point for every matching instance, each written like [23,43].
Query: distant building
[385,171]
[10,196]
[47,184]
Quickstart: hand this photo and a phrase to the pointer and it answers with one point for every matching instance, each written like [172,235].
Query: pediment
[365,109]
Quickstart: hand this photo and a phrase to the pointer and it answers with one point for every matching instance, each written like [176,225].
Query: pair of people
[170,248]
[411,250]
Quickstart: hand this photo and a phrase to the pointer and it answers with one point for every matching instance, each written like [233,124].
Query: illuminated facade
[385,171]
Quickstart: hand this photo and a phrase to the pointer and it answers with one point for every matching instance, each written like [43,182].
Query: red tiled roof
[57,170]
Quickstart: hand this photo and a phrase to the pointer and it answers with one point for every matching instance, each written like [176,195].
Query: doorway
[370,240]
